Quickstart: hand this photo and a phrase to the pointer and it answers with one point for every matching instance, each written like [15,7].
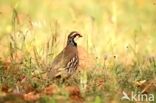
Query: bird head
[71,38]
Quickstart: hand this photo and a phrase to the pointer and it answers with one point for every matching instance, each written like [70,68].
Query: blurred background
[108,26]
[118,46]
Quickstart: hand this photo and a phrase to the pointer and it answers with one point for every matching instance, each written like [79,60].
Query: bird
[66,62]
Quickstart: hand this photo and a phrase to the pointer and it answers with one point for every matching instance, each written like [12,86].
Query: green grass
[119,37]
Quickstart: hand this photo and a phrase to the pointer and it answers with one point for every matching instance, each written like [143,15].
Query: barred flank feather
[67,61]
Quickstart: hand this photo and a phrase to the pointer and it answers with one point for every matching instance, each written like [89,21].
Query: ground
[117,51]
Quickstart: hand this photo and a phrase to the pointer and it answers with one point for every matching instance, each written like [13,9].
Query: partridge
[66,62]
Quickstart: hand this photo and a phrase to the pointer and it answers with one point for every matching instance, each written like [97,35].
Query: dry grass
[117,51]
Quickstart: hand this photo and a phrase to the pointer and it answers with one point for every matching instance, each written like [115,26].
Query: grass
[117,51]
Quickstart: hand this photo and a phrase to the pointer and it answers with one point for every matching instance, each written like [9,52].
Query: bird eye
[74,35]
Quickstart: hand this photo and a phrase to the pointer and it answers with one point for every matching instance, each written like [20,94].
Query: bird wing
[57,66]
[61,61]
